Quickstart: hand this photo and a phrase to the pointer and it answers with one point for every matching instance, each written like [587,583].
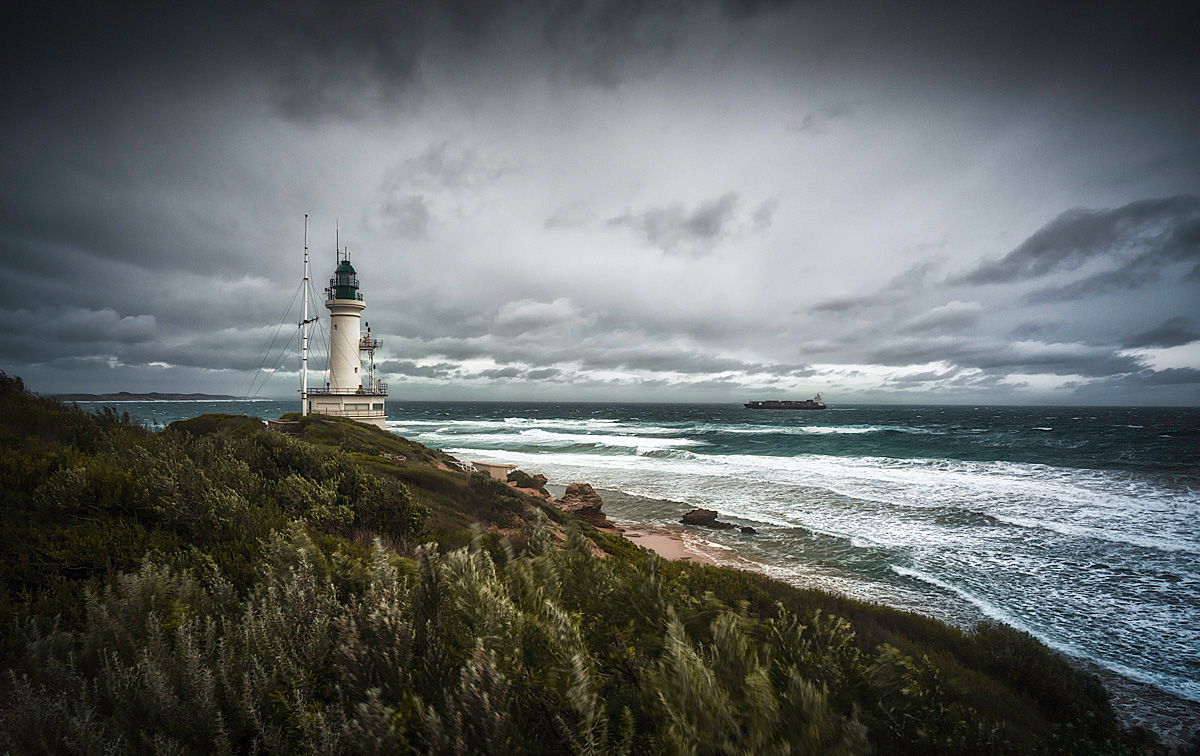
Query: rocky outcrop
[749,530]
[582,501]
[535,483]
[705,518]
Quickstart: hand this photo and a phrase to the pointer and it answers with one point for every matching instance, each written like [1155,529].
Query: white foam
[537,437]
[751,429]
[988,609]
[669,453]
[1156,542]
[613,425]
[1171,683]
[1113,507]
[517,424]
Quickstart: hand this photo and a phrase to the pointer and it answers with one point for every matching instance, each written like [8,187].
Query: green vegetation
[220,588]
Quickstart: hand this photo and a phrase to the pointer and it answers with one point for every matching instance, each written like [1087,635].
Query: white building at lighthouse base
[364,407]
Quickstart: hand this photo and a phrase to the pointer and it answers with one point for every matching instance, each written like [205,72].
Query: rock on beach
[706,518]
[582,501]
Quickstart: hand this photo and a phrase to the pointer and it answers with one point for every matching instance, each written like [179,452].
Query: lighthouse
[350,392]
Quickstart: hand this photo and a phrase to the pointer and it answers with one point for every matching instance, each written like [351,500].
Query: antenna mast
[371,354]
[304,331]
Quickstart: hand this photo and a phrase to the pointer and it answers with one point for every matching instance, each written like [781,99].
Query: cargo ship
[787,404]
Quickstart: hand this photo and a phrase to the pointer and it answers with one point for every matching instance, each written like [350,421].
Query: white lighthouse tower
[349,392]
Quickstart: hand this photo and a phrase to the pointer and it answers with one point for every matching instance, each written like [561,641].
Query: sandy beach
[668,543]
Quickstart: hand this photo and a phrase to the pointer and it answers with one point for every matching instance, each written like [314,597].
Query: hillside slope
[218,587]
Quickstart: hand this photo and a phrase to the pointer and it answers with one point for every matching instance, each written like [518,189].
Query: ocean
[1078,525]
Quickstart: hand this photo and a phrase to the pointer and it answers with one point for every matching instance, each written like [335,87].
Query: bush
[87,496]
[462,656]
[491,501]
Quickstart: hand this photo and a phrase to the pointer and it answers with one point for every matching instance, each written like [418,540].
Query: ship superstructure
[787,404]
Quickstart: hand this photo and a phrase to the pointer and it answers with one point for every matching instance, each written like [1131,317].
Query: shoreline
[666,541]
[1137,704]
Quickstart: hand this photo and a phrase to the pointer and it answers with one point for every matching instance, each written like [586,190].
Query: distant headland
[153,396]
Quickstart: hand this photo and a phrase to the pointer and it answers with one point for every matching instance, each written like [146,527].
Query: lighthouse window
[335,326]
[377,406]
[355,370]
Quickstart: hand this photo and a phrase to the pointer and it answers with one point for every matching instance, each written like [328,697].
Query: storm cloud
[1141,238]
[1174,332]
[612,200]
[677,228]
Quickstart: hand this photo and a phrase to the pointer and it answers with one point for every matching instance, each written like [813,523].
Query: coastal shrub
[492,501]
[552,650]
[170,664]
[86,496]
[1076,697]
[725,696]
[211,588]
[297,494]
[461,656]
[352,437]
[555,649]
[999,685]
[385,505]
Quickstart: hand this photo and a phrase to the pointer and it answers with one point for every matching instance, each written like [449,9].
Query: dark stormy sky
[612,200]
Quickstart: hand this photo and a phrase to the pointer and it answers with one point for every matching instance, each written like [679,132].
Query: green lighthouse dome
[344,284]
